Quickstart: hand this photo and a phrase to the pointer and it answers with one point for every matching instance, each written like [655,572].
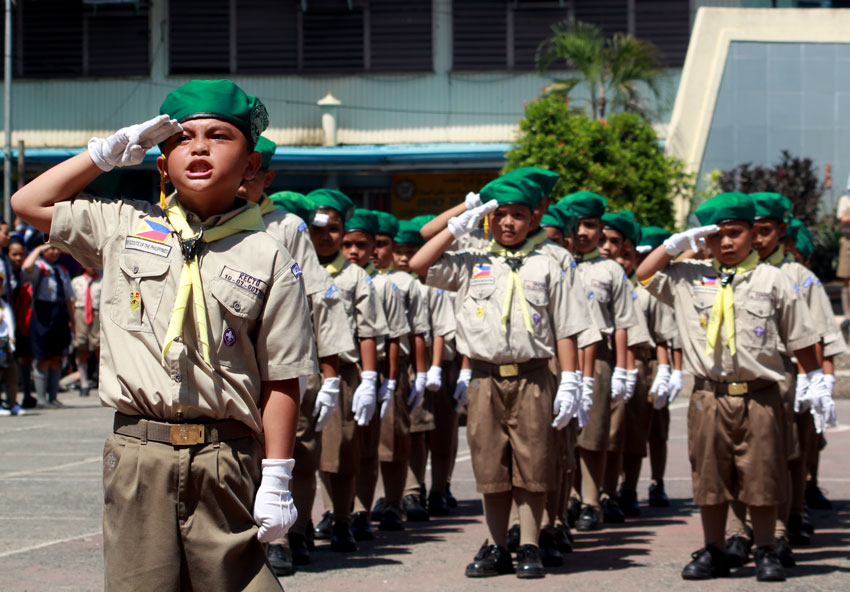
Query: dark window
[611,16]
[532,25]
[400,36]
[199,36]
[333,37]
[666,23]
[480,34]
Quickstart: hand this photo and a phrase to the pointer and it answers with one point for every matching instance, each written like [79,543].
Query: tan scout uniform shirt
[609,294]
[657,318]
[481,281]
[259,325]
[638,336]
[442,319]
[767,312]
[366,318]
[414,305]
[80,285]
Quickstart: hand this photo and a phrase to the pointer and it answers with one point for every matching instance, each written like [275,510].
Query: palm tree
[612,68]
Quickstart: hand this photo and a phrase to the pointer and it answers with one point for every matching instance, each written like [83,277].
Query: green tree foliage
[619,158]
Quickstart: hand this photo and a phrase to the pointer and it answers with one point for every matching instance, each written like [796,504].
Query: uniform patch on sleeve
[573,263]
[302,227]
[634,294]
[329,293]
[296,271]
[563,273]
[808,281]
[368,279]
[440,291]
[395,287]
[247,282]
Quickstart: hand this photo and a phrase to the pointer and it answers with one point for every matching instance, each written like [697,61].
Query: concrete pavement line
[49,544]
[53,468]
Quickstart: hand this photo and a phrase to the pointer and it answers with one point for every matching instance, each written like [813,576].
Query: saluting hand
[127,146]
[688,239]
[469,220]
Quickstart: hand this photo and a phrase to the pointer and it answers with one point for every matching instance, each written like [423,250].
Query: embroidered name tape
[253,285]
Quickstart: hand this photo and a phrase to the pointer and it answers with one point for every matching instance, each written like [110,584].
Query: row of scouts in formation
[249,343]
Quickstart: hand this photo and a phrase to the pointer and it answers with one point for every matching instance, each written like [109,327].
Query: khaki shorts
[308,442]
[422,418]
[788,392]
[395,425]
[86,336]
[341,436]
[508,428]
[594,435]
[736,445]
[659,425]
[443,440]
[638,415]
[843,270]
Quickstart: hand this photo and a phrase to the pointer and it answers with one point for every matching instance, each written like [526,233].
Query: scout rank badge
[135,300]
[480,312]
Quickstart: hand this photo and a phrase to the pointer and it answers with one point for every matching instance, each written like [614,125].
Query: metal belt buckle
[737,389]
[187,435]
[508,370]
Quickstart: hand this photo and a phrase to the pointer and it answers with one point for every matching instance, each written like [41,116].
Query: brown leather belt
[733,389]
[508,370]
[179,434]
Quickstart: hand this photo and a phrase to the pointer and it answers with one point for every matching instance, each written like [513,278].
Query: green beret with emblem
[546,180]
[333,199]
[771,205]
[362,220]
[387,223]
[726,207]
[653,236]
[423,219]
[408,233]
[266,149]
[623,222]
[583,204]
[218,99]
[512,191]
[295,203]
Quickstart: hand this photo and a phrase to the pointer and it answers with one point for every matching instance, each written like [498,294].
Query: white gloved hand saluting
[434,379]
[567,400]
[583,415]
[386,394]
[660,386]
[618,384]
[274,510]
[469,220]
[414,400]
[463,378]
[326,401]
[688,239]
[472,200]
[675,385]
[631,383]
[127,146]
[363,403]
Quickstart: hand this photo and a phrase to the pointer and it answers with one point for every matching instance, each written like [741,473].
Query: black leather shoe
[657,497]
[513,538]
[361,528]
[589,519]
[378,509]
[342,540]
[709,562]
[611,511]
[796,534]
[280,560]
[815,498]
[412,506]
[549,554]
[737,551]
[298,549]
[784,552]
[437,505]
[451,501]
[768,566]
[628,502]
[309,536]
[391,520]
[491,560]
[573,511]
[563,538]
[323,529]
[806,524]
[528,563]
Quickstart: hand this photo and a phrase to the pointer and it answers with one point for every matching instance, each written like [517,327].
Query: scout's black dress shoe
[324,528]
[815,498]
[412,506]
[737,551]
[589,519]
[628,502]
[378,509]
[768,566]
[784,552]
[549,553]
[342,540]
[361,527]
[298,549]
[563,538]
[797,535]
[451,501]
[573,511]
[528,563]
[709,562]
[437,504]
[391,520]
[657,497]
[513,538]
[491,560]
[280,560]
[611,511]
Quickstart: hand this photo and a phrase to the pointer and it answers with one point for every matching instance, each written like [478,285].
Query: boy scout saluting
[190,393]
[732,313]
[512,317]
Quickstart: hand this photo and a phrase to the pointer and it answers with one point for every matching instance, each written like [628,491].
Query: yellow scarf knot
[723,310]
[514,261]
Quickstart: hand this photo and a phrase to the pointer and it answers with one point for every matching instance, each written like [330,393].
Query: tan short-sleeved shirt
[257,316]
[366,317]
[391,302]
[442,318]
[291,232]
[638,335]
[843,208]
[330,326]
[767,312]
[414,305]
[80,285]
[609,294]
[655,317]
[808,288]
[481,282]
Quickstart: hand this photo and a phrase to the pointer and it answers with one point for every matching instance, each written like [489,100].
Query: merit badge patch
[634,294]
[152,230]
[703,322]
[302,227]
[296,271]
[759,331]
[480,270]
[329,293]
[229,337]
[480,312]
[809,281]
[536,318]
[135,301]
[591,295]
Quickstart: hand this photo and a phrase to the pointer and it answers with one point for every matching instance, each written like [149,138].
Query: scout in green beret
[333,199]
[618,227]
[542,177]
[769,225]
[254,188]
[298,204]
[652,237]
[588,208]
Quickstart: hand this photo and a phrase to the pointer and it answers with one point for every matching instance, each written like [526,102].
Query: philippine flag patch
[481,271]
[152,230]
[709,280]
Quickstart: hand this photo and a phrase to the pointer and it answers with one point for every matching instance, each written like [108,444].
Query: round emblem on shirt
[229,337]
[536,318]
[759,331]
[591,295]
[480,312]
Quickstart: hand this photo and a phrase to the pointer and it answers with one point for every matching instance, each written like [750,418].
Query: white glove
[631,383]
[326,401]
[363,403]
[127,146]
[469,220]
[586,400]
[801,400]
[414,399]
[567,400]
[675,385]
[472,201]
[618,384]
[688,239]
[274,510]
[434,378]
[829,379]
[660,387]
[386,394]
[463,378]
[823,407]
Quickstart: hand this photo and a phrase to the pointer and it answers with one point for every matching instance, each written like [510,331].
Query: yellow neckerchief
[386,269]
[335,266]
[587,256]
[266,205]
[190,274]
[539,238]
[514,282]
[370,269]
[634,279]
[723,310]
[776,257]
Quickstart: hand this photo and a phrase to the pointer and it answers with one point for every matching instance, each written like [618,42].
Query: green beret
[408,233]
[804,242]
[387,223]
[553,219]
[295,203]
[792,228]
[771,205]
[423,219]
[218,99]
[512,191]
[726,206]
[584,204]
[333,199]
[546,180]
[653,236]
[362,220]
[624,223]
[266,149]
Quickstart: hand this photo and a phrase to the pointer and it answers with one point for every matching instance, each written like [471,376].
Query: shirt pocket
[537,299]
[703,303]
[139,287]
[232,323]
[478,307]
[757,327]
